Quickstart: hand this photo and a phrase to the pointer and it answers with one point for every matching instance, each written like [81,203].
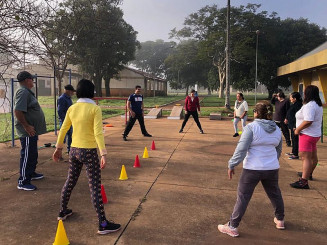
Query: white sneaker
[280,225]
[227,229]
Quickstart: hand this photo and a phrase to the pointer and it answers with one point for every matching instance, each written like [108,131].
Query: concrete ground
[178,196]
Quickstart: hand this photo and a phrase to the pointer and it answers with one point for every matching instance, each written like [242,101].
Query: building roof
[145,74]
[317,58]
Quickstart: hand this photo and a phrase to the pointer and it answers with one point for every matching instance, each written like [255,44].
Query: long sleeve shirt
[192,105]
[86,118]
[64,102]
[260,146]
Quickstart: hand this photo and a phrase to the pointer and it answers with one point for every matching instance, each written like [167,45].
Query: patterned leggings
[89,157]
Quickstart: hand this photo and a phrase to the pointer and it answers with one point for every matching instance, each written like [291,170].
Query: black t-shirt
[136,102]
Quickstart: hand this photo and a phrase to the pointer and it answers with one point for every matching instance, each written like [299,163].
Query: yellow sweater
[86,119]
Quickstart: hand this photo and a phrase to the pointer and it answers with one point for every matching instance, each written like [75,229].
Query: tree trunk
[187,90]
[209,91]
[107,86]
[98,85]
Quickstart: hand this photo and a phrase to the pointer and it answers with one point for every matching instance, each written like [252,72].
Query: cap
[24,75]
[69,87]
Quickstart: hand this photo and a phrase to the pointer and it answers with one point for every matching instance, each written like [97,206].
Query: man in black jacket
[281,107]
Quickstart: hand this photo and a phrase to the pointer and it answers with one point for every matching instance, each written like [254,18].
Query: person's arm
[303,125]
[60,141]
[98,131]
[186,103]
[61,109]
[273,99]
[30,130]
[279,147]
[129,108]
[241,150]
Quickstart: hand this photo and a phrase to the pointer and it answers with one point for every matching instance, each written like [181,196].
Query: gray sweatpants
[248,181]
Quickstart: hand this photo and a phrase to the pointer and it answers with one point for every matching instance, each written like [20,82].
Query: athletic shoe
[124,138]
[289,154]
[64,214]
[181,131]
[27,187]
[36,176]
[293,157]
[108,227]
[300,175]
[227,229]
[147,135]
[280,225]
[301,184]
[201,131]
[235,135]
[289,144]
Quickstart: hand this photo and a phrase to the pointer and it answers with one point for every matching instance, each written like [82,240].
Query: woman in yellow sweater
[86,118]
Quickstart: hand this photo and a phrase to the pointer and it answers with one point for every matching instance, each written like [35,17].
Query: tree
[104,41]
[184,68]
[151,55]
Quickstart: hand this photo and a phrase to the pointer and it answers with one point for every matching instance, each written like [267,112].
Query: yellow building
[310,68]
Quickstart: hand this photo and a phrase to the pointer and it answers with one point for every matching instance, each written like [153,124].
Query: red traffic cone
[103,194]
[137,162]
[153,146]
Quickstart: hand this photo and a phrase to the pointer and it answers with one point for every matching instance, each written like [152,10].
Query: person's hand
[286,121]
[57,154]
[185,112]
[274,95]
[199,112]
[241,117]
[30,130]
[296,131]
[231,172]
[132,114]
[103,162]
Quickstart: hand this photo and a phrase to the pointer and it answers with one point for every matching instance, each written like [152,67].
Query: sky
[153,19]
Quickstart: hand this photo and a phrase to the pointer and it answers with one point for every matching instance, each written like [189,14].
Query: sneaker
[293,157]
[280,225]
[36,176]
[27,187]
[181,131]
[235,135]
[64,214]
[227,229]
[108,227]
[301,184]
[201,131]
[289,154]
[124,138]
[147,135]
[300,175]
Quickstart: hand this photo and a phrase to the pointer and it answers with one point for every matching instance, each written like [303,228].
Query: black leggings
[195,116]
[89,157]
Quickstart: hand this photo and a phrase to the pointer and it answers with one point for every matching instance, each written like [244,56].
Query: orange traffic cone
[137,162]
[61,237]
[103,194]
[153,146]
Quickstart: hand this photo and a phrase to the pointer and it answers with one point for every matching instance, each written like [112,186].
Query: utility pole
[227,98]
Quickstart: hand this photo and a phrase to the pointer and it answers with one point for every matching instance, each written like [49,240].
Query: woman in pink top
[192,106]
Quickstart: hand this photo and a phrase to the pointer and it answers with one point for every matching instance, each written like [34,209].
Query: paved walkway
[178,196]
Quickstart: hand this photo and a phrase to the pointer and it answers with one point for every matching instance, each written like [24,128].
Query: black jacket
[281,109]
[290,115]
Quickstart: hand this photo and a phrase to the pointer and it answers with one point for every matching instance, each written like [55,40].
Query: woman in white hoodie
[260,147]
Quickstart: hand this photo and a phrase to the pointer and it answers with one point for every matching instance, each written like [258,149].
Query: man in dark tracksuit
[29,123]
[64,102]
[135,106]
[281,107]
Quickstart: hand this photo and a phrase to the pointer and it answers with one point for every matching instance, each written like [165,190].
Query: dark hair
[297,96]
[281,94]
[85,89]
[311,93]
[137,86]
[240,94]
[264,110]
[192,91]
